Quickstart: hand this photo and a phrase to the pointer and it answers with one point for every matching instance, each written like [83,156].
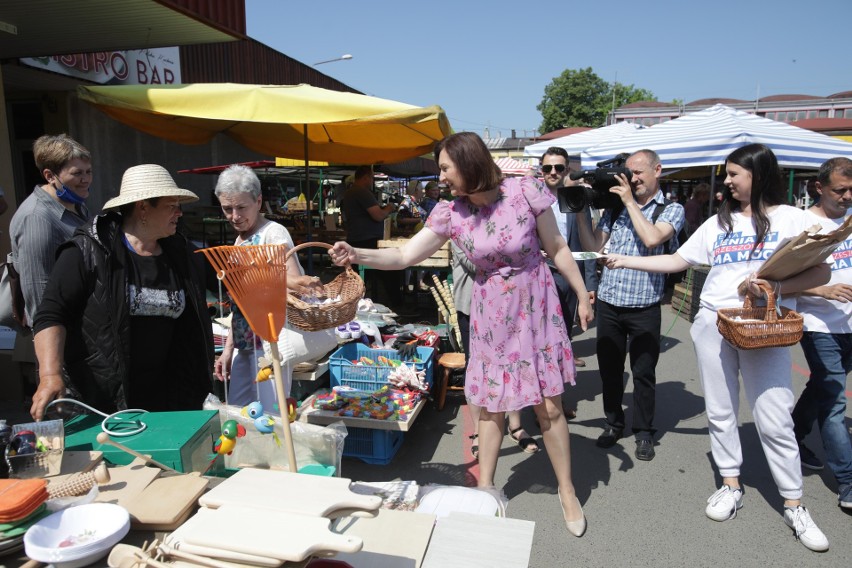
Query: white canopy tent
[706,137]
[574,144]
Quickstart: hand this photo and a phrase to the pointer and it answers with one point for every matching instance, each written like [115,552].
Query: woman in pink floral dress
[520,354]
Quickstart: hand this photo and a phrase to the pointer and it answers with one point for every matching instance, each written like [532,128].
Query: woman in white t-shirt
[752,220]
[238,191]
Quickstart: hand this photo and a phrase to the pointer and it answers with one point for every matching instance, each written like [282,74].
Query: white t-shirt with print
[729,256]
[829,316]
[273,234]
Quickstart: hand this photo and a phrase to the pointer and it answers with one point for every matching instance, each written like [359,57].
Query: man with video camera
[641,222]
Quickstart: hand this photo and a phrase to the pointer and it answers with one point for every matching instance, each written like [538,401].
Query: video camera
[596,193]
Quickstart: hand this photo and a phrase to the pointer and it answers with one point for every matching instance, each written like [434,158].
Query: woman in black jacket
[124,323]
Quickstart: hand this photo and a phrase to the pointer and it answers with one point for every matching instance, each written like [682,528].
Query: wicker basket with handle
[752,327]
[347,286]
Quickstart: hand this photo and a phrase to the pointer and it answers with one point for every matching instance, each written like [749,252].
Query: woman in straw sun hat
[123,323]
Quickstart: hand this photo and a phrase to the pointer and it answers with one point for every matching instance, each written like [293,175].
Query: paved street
[639,513]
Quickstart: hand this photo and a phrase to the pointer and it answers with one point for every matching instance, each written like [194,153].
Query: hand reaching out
[615,261]
[343,253]
[305,285]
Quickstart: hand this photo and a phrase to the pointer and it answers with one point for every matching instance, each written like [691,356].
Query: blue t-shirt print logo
[735,247]
[842,256]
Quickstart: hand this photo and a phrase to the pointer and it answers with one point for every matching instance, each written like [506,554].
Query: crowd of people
[508,293]
[119,319]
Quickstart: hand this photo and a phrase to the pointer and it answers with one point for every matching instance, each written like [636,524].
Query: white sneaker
[799,519]
[723,504]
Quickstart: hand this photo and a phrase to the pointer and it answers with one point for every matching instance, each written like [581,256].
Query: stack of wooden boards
[264,518]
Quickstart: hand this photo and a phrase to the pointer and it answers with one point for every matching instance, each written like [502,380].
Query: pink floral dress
[519,348]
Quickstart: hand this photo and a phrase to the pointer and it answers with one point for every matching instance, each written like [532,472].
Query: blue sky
[487,62]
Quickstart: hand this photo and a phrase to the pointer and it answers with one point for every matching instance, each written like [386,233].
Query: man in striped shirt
[48,218]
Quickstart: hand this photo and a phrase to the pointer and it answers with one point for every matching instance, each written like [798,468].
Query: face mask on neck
[65,194]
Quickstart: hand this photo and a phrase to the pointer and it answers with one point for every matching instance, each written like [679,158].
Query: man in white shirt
[827,340]
[555,169]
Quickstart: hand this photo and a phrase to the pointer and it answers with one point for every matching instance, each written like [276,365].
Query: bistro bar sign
[160,66]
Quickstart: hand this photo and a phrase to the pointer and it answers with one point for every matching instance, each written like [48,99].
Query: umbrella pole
[308,193]
[283,408]
[790,200]
[712,191]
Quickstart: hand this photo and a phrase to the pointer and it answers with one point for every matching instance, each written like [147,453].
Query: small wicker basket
[759,327]
[348,286]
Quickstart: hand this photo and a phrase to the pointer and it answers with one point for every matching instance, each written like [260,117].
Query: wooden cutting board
[177,541]
[166,502]
[289,492]
[126,483]
[264,532]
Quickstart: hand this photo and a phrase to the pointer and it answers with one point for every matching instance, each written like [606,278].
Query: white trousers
[768,385]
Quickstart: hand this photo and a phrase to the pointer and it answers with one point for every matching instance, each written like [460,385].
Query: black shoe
[609,437]
[809,459]
[645,449]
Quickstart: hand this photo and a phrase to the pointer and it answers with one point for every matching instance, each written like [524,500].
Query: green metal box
[181,440]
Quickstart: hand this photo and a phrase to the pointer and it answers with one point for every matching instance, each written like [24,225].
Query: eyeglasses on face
[558,167]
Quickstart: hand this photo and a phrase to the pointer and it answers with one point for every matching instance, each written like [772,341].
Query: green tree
[579,97]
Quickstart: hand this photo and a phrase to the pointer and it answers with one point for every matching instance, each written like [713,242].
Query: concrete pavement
[639,513]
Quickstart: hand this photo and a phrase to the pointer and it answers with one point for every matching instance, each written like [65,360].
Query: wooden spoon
[127,556]
[168,550]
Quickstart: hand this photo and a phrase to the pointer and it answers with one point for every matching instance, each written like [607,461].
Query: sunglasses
[558,167]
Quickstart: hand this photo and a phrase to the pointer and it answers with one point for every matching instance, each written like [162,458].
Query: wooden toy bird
[231,430]
[265,372]
[264,423]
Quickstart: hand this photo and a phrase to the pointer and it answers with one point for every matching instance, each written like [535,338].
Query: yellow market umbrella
[292,121]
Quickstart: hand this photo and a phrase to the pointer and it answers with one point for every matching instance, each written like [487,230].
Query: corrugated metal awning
[33,28]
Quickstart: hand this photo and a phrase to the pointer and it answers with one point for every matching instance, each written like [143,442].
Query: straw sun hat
[147,181]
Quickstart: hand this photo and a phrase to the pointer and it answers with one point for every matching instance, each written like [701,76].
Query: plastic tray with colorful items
[393,401]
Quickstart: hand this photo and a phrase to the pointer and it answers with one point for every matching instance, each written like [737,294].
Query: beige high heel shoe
[578,527]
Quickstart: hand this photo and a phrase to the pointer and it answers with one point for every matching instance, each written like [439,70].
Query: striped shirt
[37,229]
[628,288]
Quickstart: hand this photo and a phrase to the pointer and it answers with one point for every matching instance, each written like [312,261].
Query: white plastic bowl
[444,500]
[77,536]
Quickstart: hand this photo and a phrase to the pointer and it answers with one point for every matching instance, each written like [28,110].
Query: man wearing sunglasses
[827,340]
[555,168]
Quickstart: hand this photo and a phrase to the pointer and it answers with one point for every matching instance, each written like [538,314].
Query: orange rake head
[256,277]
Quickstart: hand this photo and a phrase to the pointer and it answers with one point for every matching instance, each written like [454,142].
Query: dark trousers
[383,286]
[637,331]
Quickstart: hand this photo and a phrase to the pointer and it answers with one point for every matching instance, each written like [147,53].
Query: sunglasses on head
[558,167]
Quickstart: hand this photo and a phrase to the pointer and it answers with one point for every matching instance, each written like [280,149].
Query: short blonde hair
[53,151]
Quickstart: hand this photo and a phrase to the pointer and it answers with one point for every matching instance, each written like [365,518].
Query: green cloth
[10,530]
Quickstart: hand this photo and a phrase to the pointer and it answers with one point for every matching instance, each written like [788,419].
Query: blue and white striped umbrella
[574,144]
[707,137]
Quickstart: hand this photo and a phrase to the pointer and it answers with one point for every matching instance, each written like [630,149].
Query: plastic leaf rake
[256,278]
